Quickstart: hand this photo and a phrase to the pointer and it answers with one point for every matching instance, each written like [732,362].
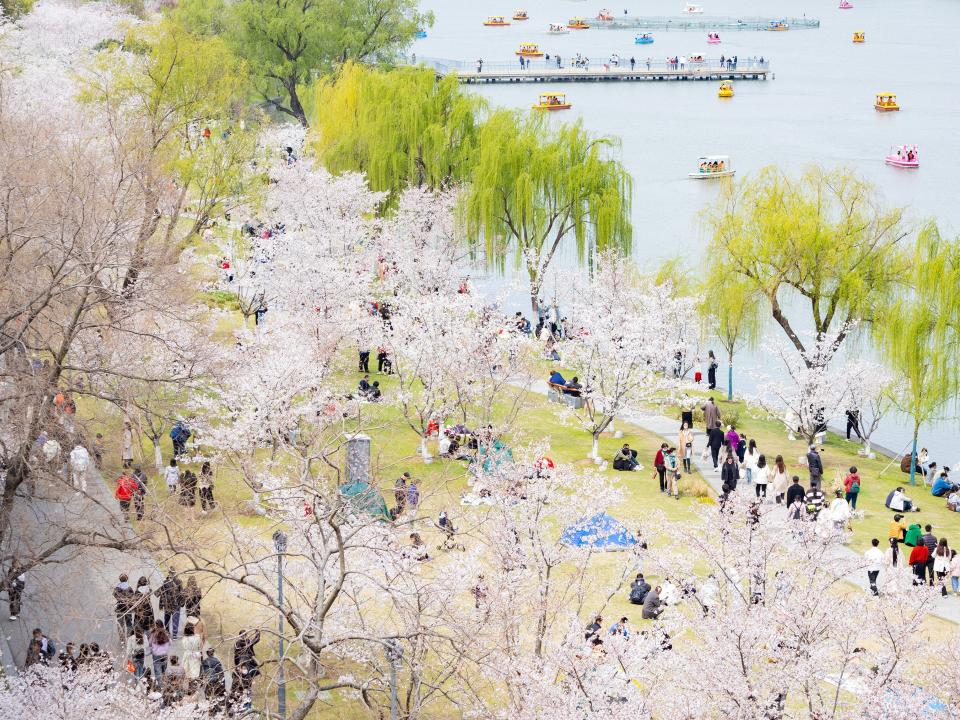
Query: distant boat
[905,156]
[558,29]
[645,39]
[420,34]
[713,38]
[690,9]
[712,167]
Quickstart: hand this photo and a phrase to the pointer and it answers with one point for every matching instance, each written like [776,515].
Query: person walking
[192,650]
[874,559]
[896,535]
[171,476]
[750,457]
[140,493]
[955,571]
[685,447]
[815,466]
[853,423]
[715,443]
[761,476]
[780,480]
[79,465]
[814,499]
[192,597]
[730,472]
[142,606]
[851,485]
[15,582]
[213,680]
[170,594]
[918,561]
[711,414]
[126,447]
[126,489]
[205,487]
[159,641]
[124,597]
[941,563]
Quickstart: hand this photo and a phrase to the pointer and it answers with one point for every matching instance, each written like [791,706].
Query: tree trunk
[157,455]
[596,447]
[730,379]
[913,456]
[424,451]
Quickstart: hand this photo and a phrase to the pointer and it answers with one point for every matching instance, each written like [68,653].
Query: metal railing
[642,61]
[703,22]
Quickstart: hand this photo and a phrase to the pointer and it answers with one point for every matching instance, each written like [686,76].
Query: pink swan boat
[905,156]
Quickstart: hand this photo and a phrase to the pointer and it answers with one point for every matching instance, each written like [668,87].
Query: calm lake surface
[818,109]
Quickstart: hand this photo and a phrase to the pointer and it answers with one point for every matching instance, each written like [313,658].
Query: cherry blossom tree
[624,355]
[810,389]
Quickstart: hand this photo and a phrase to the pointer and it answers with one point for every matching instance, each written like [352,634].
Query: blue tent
[600,532]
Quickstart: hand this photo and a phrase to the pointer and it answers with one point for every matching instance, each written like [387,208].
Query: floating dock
[702,22]
[596,70]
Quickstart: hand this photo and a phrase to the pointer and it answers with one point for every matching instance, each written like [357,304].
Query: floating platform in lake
[702,22]
[541,71]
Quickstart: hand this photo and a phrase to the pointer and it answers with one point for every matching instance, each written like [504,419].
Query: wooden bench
[557,393]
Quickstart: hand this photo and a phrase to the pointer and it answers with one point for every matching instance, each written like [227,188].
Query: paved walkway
[70,596]
[947,608]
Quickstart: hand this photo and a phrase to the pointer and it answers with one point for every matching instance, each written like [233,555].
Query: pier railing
[702,22]
[641,62]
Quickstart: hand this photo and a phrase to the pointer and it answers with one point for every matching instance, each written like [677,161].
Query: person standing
[188,490]
[213,680]
[780,480]
[126,450]
[814,499]
[171,476]
[79,465]
[364,364]
[711,414]
[192,597]
[660,464]
[170,594]
[192,650]
[897,534]
[711,358]
[205,486]
[124,597]
[413,497]
[930,540]
[874,558]
[685,446]
[853,423]
[140,493]
[851,485]
[955,571]
[400,494]
[918,561]
[815,466]
[673,473]
[15,582]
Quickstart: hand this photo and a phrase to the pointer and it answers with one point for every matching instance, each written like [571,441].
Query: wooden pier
[612,74]
[597,70]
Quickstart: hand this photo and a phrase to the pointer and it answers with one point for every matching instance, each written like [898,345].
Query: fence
[702,23]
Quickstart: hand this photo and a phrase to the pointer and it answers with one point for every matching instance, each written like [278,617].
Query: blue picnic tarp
[600,532]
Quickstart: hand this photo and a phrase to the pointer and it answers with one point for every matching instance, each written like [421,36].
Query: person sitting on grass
[943,485]
[374,394]
[638,590]
[652,604]
[625,459]
[899,502]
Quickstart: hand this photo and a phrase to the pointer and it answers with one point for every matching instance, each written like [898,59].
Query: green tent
[364,497]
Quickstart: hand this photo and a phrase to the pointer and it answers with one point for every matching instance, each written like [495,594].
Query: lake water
[818,109]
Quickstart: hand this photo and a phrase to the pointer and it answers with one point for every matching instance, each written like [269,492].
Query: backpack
[855,488]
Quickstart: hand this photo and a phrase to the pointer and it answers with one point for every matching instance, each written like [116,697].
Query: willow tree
[917,336]
[819,245]
[400,128]
[731,314]
[534,185]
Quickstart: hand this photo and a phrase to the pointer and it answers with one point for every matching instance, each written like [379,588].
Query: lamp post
[394,655]
[280,541]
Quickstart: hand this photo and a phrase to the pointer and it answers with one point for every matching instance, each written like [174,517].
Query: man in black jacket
[170,594]
[638,590]
[715,442]
[796,491]
[930,540]
[815,465]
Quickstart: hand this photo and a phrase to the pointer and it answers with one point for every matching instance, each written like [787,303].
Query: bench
[557,393]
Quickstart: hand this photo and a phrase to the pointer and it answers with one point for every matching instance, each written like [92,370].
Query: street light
[394,656]
[280,541]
